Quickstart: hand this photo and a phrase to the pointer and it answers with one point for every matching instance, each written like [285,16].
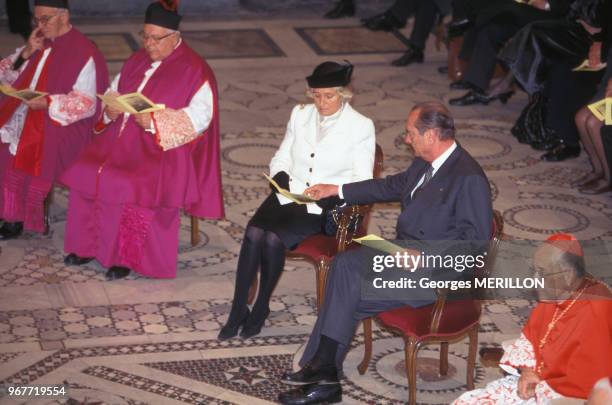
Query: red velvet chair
[320,249]
[441,322]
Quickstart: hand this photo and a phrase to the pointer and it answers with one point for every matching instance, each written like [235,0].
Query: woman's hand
[527,383]
[319,191]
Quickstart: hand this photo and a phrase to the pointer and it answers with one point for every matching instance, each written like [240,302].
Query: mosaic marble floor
[142,341]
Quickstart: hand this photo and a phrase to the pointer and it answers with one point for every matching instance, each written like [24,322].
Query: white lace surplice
[504,390]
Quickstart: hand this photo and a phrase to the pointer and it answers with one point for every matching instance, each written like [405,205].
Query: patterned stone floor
[142,341]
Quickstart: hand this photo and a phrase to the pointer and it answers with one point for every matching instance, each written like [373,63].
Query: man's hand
[35,43]
[595,54]
[39,103]
[143,120]
[319,191]
[527,383]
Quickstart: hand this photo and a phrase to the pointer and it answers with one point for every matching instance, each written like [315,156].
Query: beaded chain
[551,325]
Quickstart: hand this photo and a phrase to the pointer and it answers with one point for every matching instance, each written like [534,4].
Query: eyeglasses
[153,38]
[44,20]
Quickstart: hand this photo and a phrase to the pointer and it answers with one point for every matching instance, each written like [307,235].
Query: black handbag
[331,219]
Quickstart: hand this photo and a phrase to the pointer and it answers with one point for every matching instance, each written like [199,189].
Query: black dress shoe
[383,22]
[312,394]
[117,272]
[74,260]
[561,152]
[344,8]
[460,85]
[231,328]
[478,97]
[252,326]
[443,69]
[310,375]
[412,55]
[457,28]
[11,230]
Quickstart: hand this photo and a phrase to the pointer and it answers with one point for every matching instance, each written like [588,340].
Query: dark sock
[326,352]
[272,264]
[248,263]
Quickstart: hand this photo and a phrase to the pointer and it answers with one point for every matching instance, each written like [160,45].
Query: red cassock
[578,350]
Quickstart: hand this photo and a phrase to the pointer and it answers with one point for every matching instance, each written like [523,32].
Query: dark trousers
[567,92]
[19,17]
[345,302]
[425,14]
[490,34]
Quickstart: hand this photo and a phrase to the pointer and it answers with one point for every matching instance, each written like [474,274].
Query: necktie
[426,178]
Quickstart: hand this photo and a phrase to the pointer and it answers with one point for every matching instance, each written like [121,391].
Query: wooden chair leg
[322,269]
[410,350]
[367,346]
[443,358]
[471,359]
[195,231]
[253,289]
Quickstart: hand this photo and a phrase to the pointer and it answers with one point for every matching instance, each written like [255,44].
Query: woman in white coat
[326,142]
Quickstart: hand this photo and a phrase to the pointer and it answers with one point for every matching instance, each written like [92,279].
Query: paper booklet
[378,243]
[602,109]
[132,103]
[296,198]
[23,95]
[585,67]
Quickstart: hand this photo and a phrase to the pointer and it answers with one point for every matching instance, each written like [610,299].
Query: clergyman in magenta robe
[129,185]
[41,138]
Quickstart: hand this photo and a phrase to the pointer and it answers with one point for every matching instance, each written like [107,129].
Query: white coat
[344,155]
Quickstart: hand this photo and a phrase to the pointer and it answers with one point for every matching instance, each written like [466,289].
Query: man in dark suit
[444,195]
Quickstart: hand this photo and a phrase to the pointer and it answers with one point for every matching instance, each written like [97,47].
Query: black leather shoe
[443,69]
[231,328]
[412,55]
[252,327]
[74,260]
[117,272]
[383,22]
[561,152]
[11,230]
[460,85]
[311,375]
[457,28]
[477,97]
[312,394]
[344,8]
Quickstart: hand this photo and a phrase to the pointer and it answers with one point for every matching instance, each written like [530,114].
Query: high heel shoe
[587,180]
[253,328]
[230,330]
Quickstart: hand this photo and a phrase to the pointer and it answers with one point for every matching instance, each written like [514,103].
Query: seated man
[445,196]
[41,137]
[425,14]
[128,186]
[566,345]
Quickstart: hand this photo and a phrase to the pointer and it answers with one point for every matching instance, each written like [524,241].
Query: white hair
[342,91]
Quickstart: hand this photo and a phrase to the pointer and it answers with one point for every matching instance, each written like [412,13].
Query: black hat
[52,3]
[330,74]
[164,14]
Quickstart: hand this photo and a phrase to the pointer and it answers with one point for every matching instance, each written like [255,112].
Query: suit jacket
[344,155]
[454,205]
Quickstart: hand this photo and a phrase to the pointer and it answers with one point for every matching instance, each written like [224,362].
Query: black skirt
[291,222]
